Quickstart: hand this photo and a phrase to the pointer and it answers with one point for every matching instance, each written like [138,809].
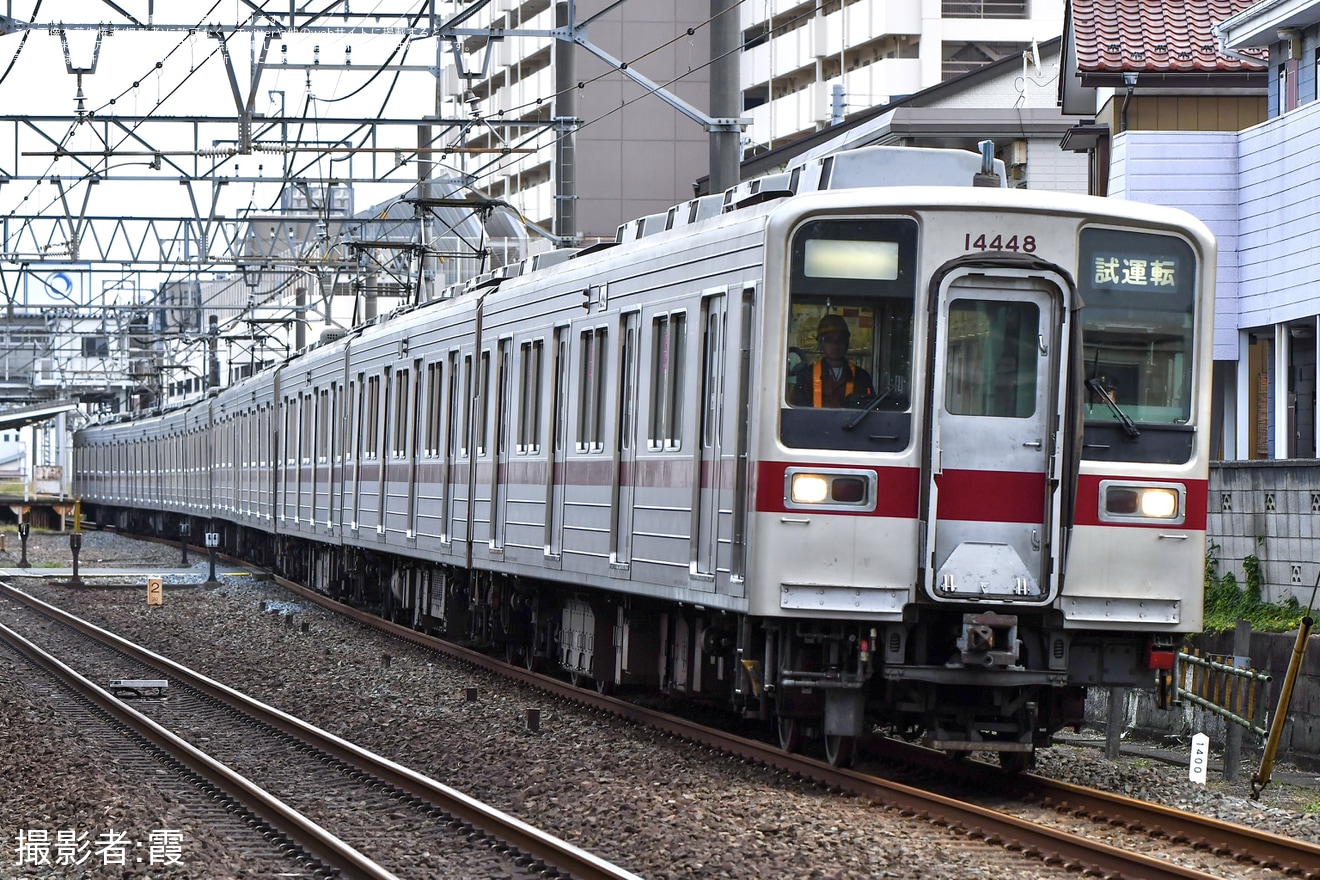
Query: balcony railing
[985,8]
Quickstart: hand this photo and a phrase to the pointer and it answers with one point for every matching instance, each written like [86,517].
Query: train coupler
[989,640]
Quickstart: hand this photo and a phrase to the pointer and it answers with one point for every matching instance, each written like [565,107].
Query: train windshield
[848,354]
[1138,324]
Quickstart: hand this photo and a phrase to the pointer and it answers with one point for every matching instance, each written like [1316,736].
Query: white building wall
[1279,186]
[625,171]
[636,154]
[1198,172]
[794,55]
[1050,168]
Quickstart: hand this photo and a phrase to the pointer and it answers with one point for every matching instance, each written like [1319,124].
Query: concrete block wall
[1268,509]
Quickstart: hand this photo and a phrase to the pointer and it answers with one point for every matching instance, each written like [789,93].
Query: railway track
[199,802]
[379,811]
[1173,834]
[1229,840]
[1008,848]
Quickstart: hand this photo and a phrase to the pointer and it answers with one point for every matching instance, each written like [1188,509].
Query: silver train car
[930,459]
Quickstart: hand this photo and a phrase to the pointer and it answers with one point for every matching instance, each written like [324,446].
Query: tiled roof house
[1153,65]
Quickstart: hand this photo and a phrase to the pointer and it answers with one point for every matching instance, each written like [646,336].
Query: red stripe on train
[897,489]
[1088,501]
[991,496]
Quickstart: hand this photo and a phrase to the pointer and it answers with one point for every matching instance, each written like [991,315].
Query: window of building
[95,346]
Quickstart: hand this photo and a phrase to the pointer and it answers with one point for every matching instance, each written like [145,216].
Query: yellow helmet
[832,324]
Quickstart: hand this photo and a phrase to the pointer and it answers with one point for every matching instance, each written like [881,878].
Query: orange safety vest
[817,372]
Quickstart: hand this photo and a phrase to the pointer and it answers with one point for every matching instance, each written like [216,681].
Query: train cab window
[1138,338]
[847,360]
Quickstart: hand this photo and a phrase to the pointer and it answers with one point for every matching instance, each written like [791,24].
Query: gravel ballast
[645,801]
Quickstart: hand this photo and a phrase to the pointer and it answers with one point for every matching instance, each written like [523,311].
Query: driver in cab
[830,381]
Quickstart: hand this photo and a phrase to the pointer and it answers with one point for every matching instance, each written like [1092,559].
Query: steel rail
[1295,857]
[312,838]
[1049,844]
[509,830]
[1272,851]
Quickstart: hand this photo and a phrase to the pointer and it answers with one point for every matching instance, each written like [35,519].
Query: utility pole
[724,93]
[565,119]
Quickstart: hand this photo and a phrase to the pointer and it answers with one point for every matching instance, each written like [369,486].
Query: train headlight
[821,489]
[809,489]
[1125,501]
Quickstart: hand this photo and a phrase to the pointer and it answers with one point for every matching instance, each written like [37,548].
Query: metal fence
[1225,686]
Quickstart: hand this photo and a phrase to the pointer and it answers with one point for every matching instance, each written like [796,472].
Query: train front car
[981,461]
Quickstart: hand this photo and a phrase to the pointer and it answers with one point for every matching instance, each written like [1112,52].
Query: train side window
[399,447]
[668,339]
[529,395]
[371,418]
[434,399]
[482,397]
[503,395]
[465,402]
[305,451]
[331,425]
[354,430]
[591,392]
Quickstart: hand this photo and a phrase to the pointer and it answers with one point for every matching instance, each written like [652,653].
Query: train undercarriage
[956,679]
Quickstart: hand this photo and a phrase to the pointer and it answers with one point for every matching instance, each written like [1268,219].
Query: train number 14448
[984,242]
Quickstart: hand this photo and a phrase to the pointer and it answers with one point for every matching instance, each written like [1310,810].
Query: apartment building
[803,64]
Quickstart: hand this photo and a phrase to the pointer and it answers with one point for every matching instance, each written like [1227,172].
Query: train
[877,444]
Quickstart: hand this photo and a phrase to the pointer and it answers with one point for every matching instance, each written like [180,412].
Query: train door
[995,423]
[625,451]
[413,448]
[460,480]
[358,427]
[322,466]
[499,489]
[378,424]
[558,451]
[709,477]
[398,474]
[334,441]
[447,476]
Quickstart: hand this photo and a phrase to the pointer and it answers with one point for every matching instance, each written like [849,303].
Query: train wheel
[1014,763]
[604,688]
[520,655]
[577,679]
[839,750]
[790,734]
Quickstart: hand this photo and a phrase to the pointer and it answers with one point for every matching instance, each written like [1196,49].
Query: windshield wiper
[870,408]
[1098,389]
